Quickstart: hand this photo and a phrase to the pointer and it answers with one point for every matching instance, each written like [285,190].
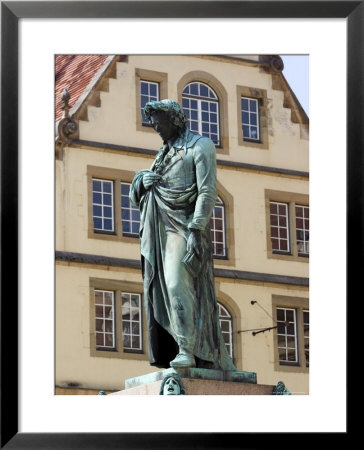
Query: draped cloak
[183,199]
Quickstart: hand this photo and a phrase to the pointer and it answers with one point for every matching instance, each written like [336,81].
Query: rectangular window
[287,335]
[279,229]
[291,334]
[117,319]
[303,229]
[217,225]
[104,319]
[111,214]
[130,214]
[288,225]
[306,335]
[102,205]
[250,118]
[131,321]
[149,91]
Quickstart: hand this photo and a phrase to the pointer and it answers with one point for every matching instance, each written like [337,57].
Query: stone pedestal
[199,382]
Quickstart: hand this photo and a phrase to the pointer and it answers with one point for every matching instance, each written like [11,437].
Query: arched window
[226,325]
[201,105]
[217,225]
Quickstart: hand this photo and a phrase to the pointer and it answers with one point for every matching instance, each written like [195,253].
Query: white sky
[296,71]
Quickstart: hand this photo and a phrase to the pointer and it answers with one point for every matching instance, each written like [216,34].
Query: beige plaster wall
[74,363]
[248,243]
[115,121]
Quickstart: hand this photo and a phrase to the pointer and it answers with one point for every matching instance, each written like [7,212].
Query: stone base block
[199,382]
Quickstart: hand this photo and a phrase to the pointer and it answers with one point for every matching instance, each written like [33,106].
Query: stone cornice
[83,258]
[220,162]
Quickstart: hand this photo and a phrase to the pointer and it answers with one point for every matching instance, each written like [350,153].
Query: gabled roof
[74,73]
[80,73]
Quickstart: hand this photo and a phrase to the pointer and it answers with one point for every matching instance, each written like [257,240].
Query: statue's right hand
[150,178]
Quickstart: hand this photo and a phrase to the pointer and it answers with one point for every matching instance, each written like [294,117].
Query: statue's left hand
[194,242]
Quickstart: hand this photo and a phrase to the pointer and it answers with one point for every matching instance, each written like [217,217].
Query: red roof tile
[74,72]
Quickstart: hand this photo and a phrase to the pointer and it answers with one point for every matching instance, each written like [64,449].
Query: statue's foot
[183,360]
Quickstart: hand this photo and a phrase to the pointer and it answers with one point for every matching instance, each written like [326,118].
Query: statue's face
[171,387]
[163,126]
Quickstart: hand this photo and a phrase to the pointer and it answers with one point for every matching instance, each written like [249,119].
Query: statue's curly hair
[174,110]
[176,377]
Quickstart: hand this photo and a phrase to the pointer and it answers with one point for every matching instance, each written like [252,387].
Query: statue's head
[167,118]
[172,385]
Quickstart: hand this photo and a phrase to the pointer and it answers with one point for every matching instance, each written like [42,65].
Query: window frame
[257,125]
[149,76]
[104,347]
[147,122]
[222,205]
[199,99]
[287,335]
[117,177]
[118,287]
[260,95]
[221,93]
[102,181]
[292,200]
[131,208]
[299,304]
[228,318]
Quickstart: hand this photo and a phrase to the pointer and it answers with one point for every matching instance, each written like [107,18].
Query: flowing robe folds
[181,309]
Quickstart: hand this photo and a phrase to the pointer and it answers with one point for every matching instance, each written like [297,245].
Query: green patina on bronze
[172,384]
[280,389]
[176,198]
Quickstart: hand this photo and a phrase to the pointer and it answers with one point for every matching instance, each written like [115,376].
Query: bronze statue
[176,199]
[172,385]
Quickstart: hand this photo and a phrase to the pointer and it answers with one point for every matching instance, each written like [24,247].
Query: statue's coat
[184,198]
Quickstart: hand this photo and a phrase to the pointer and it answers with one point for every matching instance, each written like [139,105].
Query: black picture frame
[11,12]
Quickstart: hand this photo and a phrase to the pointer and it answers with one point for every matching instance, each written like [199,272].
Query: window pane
[127,340]
[194,89]
[282,354]
[252,105]
[104,319]
[153,90]
[106,187]
[135,342]
[135,228]
[97,211]
[125,189]
[107,212]
[280,315]
[245,117]
[99,339]
[108,326]
[135,328]
[96,185]
[226,327]
[99,325]
[198,110]
[102,208]
[286,337]
[291,354]
[218,229]
[203,90]
[96,197]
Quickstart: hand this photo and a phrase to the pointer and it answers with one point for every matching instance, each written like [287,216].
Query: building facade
[260,224]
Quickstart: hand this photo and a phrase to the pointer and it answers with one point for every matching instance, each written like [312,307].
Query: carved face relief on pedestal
[171,387]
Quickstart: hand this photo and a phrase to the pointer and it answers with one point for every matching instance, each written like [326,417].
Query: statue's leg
[182,298]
